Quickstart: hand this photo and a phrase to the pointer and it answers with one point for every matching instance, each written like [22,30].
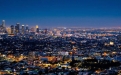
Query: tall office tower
[2,27]
[17,28]
[12,29]
[3,23]
[27,29]
[37,28]
[23,29]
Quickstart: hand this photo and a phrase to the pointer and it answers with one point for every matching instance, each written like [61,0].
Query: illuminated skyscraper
[23,29]
[3,23]
[37,28]
[3,28]
[17,28]
[12,29]
[27,29]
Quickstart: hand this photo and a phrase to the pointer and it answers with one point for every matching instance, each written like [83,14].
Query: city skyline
[62,13]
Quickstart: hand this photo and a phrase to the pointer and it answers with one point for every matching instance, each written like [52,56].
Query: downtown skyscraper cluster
[17,29]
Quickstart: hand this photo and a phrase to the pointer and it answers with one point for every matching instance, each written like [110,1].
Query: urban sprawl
[59,51]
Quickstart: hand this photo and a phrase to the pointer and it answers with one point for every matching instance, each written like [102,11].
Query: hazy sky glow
[47,13]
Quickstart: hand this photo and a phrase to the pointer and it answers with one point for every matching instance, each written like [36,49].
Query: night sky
[62,13]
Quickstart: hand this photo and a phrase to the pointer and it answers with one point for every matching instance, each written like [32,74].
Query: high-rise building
[12,29]
[17,28]
[3,23]
[27,29]
[37,28]
[2,27]
[23,29]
